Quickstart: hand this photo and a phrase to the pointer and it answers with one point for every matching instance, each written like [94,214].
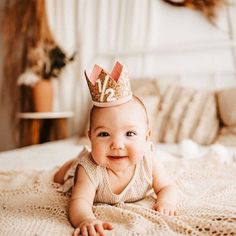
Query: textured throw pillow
[192,115]
[177,114]
[144,87]
[226,104]
[207,128]
[227,136]
[167,102]
[185,113]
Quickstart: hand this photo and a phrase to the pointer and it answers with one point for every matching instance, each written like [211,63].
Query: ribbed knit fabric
[137,188]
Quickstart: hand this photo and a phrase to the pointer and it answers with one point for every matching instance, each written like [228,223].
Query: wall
[158,40]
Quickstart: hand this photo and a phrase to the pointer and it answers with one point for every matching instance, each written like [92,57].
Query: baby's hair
[134,98]
[143,106]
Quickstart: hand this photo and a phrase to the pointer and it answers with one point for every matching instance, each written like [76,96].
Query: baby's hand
[165,208]
[92,227]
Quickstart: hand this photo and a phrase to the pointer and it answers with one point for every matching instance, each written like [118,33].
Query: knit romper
[138,187]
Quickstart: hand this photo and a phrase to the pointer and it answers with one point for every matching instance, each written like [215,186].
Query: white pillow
[226,103]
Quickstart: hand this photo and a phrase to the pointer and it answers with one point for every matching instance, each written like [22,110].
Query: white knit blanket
[30,204]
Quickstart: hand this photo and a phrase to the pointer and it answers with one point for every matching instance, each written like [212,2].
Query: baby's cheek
[138,152]
[96,155]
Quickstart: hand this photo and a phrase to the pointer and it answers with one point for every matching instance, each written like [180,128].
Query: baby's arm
[80,207]
[59,175]
[165,188]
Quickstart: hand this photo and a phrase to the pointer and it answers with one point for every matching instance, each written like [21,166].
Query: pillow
[227,136]
[177,114]
[207,128]
[192,115]
[144,87]
[185,113]
[166,104]
[226,104]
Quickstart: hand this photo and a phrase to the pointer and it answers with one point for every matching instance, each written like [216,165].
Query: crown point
[95,73]
[115,74]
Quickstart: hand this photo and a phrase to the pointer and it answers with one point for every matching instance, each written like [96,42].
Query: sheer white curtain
[63,20]
[94,28]
[150,37]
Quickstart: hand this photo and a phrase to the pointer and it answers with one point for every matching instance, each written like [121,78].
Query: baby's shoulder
[86,161]
[85,158]
[86,151]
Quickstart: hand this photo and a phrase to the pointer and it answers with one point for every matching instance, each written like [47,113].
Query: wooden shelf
[40,127]
[45,115]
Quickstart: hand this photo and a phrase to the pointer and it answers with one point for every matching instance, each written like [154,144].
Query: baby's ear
[89,134]
[148,134]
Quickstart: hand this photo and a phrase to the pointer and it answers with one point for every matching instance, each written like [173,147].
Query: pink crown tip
[95,74]
[115,74]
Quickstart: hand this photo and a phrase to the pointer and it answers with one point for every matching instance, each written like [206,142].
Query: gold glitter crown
[109,89]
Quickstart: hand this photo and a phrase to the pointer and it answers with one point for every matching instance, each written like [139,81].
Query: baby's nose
[117,143]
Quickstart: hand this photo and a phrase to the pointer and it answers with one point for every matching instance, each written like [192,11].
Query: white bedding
[40,157]
[48,155]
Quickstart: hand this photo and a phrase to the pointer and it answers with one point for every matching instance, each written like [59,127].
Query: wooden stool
[40,127]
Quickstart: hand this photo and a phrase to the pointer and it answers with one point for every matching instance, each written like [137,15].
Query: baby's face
[119,135]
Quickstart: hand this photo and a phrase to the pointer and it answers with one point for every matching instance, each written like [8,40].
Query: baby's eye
[131,133]
[103,134]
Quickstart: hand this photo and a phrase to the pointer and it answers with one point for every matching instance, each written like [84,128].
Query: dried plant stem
[208,7]
[24,24]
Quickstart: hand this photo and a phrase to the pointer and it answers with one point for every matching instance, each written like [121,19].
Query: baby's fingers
[76,232]
[159,208]
[165,211]
[172,213]
[84,231]
[91,230]
[100,228]
[107,226]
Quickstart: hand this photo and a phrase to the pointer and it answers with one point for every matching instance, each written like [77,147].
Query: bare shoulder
[83,186]
[161,177]
[81,177]
[156,163]
[59,175]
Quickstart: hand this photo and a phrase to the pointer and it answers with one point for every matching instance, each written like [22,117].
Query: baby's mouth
[117,157]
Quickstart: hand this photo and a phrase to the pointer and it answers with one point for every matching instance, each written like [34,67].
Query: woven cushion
[185,113]
[177,115]
[165,107]
[144,87]
[207,128]
[226,103]
[227,136]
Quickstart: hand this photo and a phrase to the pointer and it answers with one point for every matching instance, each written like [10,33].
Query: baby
[119,168]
